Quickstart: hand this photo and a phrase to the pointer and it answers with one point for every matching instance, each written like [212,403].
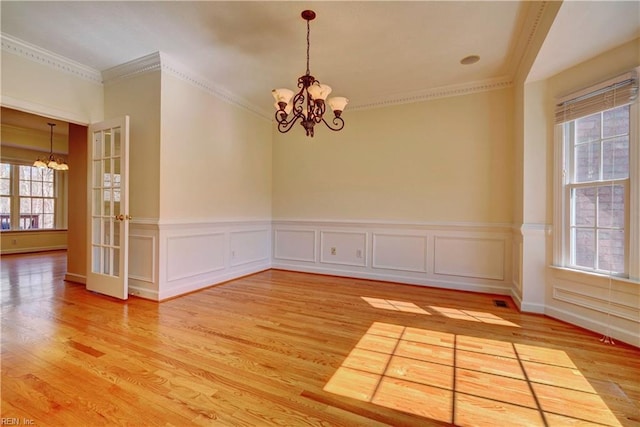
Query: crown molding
[145,64]
[34,53]
[159,61]
[531,24]
[439,92]
[177,70]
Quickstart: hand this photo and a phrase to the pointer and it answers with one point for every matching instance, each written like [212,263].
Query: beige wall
[526,196]
[602,67]
[30,86]
[32,241]
[77,202]
[220,152]
[139,98]
[610,64]
[446,160]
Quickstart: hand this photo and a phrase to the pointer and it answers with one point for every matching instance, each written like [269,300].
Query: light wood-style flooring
[295,349]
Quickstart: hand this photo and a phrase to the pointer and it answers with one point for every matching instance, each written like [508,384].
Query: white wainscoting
[610,307]
[353,248]
[143,258]
[399,252]
[472,257]
[197,255]
[295,245]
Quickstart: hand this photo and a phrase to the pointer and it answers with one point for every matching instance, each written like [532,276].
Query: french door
[108,210]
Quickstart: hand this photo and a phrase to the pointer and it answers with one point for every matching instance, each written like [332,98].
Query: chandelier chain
[308,32]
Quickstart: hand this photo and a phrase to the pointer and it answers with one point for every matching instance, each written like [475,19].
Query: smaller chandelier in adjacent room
[308,105]
[51,162]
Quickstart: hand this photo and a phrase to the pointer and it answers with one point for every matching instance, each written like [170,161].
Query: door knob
[119,217]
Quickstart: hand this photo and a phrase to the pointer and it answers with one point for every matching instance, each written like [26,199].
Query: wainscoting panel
[249,246]
[609,303]
[190,256]
[472,257]
[400,252]
[142,258]
[477,257]
[295,245]
[610,307]
[352,245]
[202,254]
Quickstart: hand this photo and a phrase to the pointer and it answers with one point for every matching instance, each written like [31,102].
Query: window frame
[562,200]
[15,216]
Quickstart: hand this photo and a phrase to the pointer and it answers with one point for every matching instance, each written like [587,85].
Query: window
[596,192]
[27,197]
[5,196]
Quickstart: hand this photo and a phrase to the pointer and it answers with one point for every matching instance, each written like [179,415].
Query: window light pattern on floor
[467,380]
[452,313]
[387,304]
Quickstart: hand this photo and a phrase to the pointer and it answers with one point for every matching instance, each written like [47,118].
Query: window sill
[589,277]
[40,230]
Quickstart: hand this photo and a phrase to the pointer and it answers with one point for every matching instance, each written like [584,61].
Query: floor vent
[500,303]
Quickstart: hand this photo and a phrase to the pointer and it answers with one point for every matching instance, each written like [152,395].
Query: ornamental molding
[34,53]
[439,92]
[145,64]
[159,61]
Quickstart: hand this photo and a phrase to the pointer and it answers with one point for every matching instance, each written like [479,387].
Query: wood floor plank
[285,348]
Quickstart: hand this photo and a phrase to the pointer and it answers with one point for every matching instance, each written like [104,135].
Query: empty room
[320,213]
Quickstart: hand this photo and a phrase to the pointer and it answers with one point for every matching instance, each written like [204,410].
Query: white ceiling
[372,52]
[581,30]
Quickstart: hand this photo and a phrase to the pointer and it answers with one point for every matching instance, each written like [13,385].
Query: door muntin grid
[106,205]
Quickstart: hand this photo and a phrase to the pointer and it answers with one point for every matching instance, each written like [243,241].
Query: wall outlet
[359,253]
[333,251]
[233,254]
[14,241]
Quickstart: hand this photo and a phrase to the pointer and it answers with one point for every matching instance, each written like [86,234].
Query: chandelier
[308,105]
[51,162]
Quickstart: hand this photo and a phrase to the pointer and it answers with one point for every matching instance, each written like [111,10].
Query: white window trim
[58,183]
[561,207]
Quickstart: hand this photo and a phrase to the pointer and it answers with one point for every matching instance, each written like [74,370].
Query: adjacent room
[320,213]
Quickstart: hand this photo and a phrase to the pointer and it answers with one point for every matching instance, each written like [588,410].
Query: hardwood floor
[285,348]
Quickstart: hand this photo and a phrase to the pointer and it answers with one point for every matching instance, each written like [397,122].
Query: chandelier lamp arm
[337,121]
[285,125]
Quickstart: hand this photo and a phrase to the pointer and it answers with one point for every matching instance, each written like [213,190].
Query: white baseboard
[76,278]
[142,292]
[33,249]
[628,336]
[394,278]
[211,280]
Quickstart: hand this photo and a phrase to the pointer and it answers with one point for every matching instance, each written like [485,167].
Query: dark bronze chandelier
[308,105]
[51,162]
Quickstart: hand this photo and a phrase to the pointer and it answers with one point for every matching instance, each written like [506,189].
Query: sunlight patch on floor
[470,315]
[467,380]
[407,307]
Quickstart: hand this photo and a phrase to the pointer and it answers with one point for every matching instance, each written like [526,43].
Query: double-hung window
[597,179]
[27,197]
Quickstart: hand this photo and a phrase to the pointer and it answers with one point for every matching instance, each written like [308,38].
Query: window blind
[610,94]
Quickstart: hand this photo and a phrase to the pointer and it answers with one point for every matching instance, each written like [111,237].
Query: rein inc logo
[6,421]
